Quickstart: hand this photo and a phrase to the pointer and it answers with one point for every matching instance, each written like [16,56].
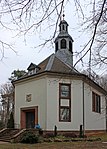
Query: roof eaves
[92,83]
[84,77]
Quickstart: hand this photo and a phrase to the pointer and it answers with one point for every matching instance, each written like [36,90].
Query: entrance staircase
[14,135]
[6,134]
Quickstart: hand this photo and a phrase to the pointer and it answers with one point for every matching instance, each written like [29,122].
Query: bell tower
[64,44]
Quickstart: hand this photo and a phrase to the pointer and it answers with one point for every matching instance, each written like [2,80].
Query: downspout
[83,109]
[106,112]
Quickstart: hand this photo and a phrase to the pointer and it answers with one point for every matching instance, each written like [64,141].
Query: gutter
[83,109]
[106,111]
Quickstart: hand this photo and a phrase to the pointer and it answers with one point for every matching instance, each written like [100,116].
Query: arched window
[56,46]
[63,27]
[63,44]
[70,46]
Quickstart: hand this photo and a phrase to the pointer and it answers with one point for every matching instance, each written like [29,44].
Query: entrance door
[30,119]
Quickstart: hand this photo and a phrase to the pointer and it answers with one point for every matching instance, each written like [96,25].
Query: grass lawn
[60,145]
[71,145]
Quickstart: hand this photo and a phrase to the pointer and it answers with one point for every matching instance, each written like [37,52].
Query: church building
[54,93]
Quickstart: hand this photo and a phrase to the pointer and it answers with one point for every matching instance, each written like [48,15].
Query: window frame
[96,103]
[65,98]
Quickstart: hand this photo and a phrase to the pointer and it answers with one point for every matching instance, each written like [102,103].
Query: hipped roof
[56,67]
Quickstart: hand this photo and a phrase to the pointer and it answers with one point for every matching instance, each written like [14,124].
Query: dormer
[33,69]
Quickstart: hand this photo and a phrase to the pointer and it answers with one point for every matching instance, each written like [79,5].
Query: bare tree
[96,24]
[103,81]
[7,95]
[31,15]
[7,100]
[26,16]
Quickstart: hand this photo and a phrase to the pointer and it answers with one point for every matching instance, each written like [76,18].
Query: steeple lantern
[63,26]
[64,42]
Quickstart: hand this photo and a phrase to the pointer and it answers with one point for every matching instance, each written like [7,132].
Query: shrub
[40,132]
[29,137]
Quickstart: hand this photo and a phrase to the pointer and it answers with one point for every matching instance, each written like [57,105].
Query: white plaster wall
[45,95]
[93,120]
[38,90]
[53,104]
[77,104]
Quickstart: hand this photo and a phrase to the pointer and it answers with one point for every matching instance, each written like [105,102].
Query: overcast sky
[26,53]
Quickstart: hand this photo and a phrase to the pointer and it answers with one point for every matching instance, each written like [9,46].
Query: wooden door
[30,119]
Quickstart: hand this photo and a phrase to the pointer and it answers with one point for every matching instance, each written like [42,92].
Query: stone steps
[8,134]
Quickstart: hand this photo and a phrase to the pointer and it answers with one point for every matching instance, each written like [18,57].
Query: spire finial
[63,13]
[63,16]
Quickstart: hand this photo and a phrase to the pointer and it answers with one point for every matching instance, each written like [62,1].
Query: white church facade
[54,93]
